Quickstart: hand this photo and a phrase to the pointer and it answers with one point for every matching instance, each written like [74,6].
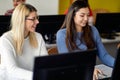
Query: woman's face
[81,17]
[31,22]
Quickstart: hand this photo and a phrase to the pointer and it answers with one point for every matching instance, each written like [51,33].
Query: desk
[50,45]
[117,39]
[110,45]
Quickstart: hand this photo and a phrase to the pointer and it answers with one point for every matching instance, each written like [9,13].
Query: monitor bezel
[78,58]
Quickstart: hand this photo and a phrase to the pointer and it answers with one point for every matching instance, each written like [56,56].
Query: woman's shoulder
[94,29]
[62,31]
[38,34]
[6,39]
[7,35]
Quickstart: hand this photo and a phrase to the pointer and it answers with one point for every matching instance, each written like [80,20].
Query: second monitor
[49,25]
[108,24]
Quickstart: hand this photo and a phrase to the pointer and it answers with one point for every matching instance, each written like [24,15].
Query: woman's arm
[43,50]
[103,55]
[9,62]
[60,40]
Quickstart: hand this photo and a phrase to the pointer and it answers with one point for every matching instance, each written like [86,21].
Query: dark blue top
[102,53]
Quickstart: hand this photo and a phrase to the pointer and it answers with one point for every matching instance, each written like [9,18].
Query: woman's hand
[95,74]
[118,46]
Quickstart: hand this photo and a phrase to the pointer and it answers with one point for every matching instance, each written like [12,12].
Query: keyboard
[106,70]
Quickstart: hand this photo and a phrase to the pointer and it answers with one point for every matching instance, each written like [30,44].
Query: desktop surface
[70,66]
[115,40]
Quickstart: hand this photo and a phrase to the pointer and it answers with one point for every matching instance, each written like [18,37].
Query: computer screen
[4,23]
[116,69]
[77,65]
[49,25]
[108,24]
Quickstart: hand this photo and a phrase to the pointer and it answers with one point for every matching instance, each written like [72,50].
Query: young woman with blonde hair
[21,44]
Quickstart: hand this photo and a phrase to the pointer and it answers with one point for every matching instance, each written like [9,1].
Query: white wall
[5,5]
[44,7]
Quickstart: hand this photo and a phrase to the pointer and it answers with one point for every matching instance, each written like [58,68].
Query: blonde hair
[18,27]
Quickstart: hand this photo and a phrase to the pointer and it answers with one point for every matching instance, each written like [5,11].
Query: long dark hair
[71,30]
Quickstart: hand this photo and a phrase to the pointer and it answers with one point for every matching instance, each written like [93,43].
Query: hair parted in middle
[71,29]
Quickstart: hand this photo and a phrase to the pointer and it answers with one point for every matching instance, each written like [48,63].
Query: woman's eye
[81,15]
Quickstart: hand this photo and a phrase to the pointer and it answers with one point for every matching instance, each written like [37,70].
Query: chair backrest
[52,51]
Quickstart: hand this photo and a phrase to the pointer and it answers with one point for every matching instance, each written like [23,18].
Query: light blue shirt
[102,53]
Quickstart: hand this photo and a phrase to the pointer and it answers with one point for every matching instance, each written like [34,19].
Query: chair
[52,51]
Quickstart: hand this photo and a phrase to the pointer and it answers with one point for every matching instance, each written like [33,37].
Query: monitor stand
[108,35]
[51,39]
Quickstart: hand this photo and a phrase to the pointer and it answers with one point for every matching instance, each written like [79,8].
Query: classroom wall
[63,5]
[44,7]
[4,7]
[111,5]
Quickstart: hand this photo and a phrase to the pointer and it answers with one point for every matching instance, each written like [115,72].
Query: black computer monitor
[4,23]
[49,25]
[116,69]
[71,66]
[108,24]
